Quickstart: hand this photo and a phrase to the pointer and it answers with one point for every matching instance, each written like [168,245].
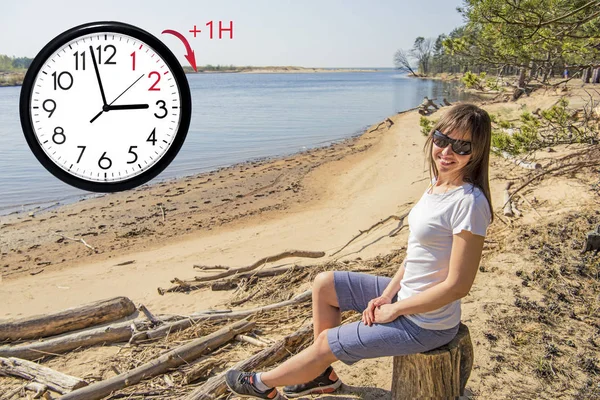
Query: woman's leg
[326,310]
[304,366]
[312,361]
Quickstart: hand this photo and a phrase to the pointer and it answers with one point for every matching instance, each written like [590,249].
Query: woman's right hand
[368,316]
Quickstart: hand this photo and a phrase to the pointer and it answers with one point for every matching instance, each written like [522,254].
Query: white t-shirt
[432,222]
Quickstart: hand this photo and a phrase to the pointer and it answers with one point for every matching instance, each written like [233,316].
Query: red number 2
[153,87]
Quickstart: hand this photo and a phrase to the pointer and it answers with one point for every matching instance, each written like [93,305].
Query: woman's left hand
[385,314]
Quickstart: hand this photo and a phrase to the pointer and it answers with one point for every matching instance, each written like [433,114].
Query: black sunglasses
[460,147]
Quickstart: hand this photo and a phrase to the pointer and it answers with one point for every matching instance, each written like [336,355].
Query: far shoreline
[13,79]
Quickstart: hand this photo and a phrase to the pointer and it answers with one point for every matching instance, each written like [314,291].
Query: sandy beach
[138,241]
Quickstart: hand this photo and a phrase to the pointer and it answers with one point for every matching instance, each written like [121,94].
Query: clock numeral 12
[114,51]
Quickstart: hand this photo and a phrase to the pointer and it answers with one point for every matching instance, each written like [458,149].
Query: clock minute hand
[128,107]
[98,76]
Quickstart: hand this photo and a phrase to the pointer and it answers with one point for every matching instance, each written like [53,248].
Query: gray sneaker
[242,384]
[327,382]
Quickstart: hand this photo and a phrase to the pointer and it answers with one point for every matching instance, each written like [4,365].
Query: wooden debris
[518,161]
[166,329]
[38,388]
[250,340]
[155,321]
[80,240]
[261,262]
[162,364]
[201,370]
[120,332]
[285,347]
[228,283]
[54,380]
[71,319]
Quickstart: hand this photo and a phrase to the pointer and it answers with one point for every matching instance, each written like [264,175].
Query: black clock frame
[105,27]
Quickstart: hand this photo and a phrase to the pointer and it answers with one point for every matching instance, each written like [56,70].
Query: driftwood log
[216,386]
[441,373]
[68,320]
[162,364]
[120,332]
[193,319]
[53,380]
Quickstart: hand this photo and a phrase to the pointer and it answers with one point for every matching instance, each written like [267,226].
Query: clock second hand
[107,107]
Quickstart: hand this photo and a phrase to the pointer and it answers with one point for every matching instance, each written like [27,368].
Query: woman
[419,308]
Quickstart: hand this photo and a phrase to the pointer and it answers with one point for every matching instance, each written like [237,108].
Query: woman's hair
[468,118]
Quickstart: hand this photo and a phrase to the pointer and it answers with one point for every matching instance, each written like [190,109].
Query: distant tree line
[537,39]
[14,63]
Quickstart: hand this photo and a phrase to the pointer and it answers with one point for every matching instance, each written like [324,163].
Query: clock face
[106,109]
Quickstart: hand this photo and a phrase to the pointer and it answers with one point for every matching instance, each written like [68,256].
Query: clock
[105,106]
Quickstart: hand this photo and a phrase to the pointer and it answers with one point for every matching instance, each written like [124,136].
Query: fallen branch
[80,240]
[574,166]
[216,386]
[519,162]
[162,364]
[382,222]
[250,340]
[507,209]
[155,321]
[226,284]
[38,388]
[193,319]
[530,205]
[54,380]
[259,263]
[201,370]
[68,320]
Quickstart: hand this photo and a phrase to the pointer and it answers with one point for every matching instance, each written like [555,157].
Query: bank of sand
[317,200]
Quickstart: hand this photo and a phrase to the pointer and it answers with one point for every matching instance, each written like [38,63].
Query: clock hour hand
[107,107]
[98,76]
[128,107]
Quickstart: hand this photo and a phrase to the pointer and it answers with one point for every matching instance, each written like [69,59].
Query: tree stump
[440,373]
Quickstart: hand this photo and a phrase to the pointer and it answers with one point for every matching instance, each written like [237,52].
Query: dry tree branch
[75,240]
[233,271]
[382,222]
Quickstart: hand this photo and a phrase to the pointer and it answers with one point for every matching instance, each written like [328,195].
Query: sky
[307,33]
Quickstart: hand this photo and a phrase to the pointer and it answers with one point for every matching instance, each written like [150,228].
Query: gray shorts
[356,341]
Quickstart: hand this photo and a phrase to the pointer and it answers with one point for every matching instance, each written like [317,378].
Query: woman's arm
[464,263]
[386,297]
[394,286]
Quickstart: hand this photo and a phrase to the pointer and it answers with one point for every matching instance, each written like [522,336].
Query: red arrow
[190,56]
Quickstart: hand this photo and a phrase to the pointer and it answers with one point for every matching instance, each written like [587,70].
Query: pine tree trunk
[586,75]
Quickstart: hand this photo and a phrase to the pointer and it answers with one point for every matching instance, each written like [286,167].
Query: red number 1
[133,56]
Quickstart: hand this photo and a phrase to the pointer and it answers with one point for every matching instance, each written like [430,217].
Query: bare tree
[422,52]
[403,63]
